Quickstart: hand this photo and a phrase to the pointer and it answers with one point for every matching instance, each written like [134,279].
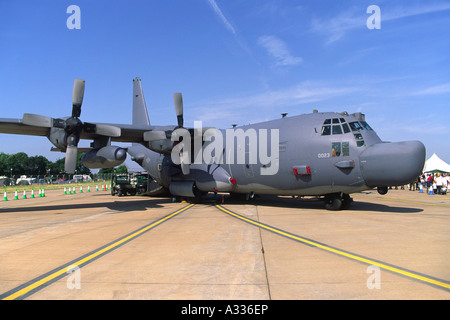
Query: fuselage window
[346,149]
[338,149]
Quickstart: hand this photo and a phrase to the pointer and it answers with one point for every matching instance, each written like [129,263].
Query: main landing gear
[337,201]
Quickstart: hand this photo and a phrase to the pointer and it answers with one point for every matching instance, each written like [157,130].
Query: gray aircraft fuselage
[319,154]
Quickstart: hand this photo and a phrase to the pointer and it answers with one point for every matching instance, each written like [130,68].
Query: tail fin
[140,115]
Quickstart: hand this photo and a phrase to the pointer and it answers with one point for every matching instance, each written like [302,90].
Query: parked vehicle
[122,186]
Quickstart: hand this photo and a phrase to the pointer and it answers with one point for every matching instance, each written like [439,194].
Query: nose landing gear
[382,190]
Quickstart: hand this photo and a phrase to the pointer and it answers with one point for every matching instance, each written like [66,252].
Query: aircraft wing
[15,126]
[129,132]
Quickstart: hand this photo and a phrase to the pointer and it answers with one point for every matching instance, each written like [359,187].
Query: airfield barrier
[29,193]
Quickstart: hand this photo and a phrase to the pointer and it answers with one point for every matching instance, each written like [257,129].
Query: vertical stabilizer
[140,114]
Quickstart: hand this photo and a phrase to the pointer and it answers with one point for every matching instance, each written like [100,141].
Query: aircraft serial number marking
[324,155]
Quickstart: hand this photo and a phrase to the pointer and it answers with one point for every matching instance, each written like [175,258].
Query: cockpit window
[346,128]
[366,125]
[326,130]
[337,129]
[359,140]
[340,126]
[356,126]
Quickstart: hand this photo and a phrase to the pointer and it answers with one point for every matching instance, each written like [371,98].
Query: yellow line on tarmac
[337,251]
[64,270]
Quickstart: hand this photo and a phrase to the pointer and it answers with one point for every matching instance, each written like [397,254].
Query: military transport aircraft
[324,154]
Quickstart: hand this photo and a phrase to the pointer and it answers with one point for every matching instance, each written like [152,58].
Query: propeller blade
[77,97]
[70,163]
[37,120]
[178,101]
[154,136]
[102,129]
[108,130]
[185,168]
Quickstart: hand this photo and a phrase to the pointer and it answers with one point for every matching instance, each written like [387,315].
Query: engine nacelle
[106,157]
[182,188]
[57,136]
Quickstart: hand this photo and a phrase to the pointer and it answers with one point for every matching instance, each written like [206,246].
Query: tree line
[18,164]
[21,164]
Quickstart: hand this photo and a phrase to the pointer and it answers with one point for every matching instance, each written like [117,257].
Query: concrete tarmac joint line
[27,289]
[438,283]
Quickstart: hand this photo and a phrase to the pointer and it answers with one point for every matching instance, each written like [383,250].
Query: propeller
[77,97]
[72,126]
[156,135]
[178,101]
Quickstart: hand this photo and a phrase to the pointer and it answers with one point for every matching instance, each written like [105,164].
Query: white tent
[435,164]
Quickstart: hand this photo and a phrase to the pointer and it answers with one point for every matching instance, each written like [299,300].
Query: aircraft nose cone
[392,164]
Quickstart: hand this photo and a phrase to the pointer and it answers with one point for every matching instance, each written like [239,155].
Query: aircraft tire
[333,202]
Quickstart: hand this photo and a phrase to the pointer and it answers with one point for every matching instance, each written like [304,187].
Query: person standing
[439,183]
[429,181]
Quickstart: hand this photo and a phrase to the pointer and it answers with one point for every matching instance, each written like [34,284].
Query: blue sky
[235,61]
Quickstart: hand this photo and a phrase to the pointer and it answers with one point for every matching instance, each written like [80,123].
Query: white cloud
[444,88]
[228,25]
[258,106]
[336,27]
[279,51]
[412,10]
[222,17]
